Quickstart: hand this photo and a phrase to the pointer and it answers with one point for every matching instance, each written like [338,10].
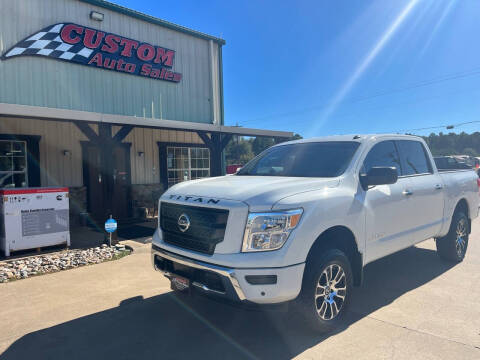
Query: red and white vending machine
[33,218]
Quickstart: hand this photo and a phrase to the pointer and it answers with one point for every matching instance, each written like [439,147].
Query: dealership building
[114,104]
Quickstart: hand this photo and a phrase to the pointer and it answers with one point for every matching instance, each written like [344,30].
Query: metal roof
[37,112]
[151,19]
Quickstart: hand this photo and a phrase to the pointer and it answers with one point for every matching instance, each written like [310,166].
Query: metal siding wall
[55,168]
[46,82]
[145,169]
[215,84]
[60,170]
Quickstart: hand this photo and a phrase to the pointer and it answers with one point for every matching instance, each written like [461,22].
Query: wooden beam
[216,143]
[216,155]
[105,132]
[38,112]
[122,133]
[87,131]
[206,140]
[225,140]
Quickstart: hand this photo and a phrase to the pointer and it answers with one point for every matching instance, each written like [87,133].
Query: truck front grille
[206,230]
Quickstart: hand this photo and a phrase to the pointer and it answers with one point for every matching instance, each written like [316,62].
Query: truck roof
[351,137]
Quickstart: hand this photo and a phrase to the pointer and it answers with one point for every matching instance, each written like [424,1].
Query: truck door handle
[407,192]
[438,187]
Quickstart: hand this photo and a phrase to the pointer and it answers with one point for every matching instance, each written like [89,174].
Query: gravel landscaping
[43,264]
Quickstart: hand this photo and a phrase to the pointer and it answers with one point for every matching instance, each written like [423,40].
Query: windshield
[315,159]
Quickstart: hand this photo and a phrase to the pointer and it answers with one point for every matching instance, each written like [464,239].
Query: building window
[13,163]
[187,163]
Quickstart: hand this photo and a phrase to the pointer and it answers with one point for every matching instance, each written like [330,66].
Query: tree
[261,143]
[294,137]
[470,152]
[454,144]
[238,151]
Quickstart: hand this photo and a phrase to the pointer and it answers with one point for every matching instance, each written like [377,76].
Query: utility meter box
[33,218]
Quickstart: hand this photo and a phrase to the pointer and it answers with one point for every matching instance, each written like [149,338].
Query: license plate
[179,283]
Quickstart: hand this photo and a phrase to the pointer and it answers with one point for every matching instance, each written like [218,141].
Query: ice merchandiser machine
[33,218]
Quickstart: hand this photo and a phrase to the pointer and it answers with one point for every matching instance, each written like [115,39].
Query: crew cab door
[427,194]
[387,207]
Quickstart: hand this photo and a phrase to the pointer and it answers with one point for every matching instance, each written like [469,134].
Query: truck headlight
[269,231]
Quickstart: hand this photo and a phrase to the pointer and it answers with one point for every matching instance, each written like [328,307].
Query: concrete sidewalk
[413,306]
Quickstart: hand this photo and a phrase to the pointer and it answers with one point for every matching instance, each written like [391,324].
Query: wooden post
[216,143]
[106,144]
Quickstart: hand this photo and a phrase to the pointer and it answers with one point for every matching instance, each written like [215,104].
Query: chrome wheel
[461,236]
[330,292]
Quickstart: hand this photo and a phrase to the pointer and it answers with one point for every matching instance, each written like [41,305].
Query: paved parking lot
[412,306]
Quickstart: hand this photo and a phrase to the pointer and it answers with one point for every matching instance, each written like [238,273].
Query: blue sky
[342,67]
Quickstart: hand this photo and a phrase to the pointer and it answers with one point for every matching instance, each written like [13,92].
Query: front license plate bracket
[179,283]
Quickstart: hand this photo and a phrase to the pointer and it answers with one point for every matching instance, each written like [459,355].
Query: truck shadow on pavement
[171,327]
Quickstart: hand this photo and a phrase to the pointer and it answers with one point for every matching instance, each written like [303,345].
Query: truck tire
[453,246]
[326,291]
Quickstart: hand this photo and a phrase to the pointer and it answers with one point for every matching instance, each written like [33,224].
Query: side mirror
[379,176]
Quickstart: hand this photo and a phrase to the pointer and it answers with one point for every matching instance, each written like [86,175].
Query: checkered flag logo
[98,49]
[47,42]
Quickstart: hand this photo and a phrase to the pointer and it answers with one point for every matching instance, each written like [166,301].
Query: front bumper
[231,283]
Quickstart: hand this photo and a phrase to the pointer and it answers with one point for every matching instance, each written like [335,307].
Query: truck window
[382,154]
[414,158]
[441,162]
[311,159]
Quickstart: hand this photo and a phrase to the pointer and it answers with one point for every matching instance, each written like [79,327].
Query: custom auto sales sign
[91,47]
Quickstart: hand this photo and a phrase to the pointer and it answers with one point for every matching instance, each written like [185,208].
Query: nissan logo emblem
[183,222]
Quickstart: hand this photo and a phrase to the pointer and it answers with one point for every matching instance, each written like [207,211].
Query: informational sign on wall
[44,221]
[91,47]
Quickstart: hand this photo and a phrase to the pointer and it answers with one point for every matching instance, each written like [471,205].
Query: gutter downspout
[222,111]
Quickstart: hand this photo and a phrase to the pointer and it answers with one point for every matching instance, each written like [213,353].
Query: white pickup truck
[302,219]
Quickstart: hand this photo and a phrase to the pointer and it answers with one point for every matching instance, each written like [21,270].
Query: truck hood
[258,191]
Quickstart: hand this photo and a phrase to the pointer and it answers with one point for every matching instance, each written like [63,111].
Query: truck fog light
[269,231]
